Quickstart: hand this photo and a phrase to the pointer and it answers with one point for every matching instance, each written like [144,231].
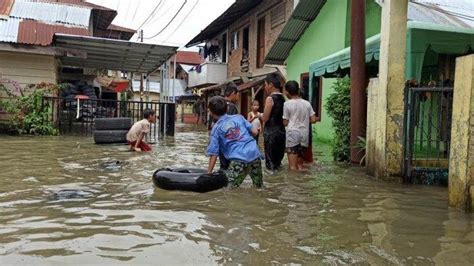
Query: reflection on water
[65,200]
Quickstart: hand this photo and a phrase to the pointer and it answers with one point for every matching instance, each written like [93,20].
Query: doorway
[260,42]
[244,103]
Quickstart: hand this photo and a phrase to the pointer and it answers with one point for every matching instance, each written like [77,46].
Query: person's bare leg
[293,162]
[301,165]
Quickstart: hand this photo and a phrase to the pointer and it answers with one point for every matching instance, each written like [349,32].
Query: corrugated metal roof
[9,29]
[37,33]
[111,54]
[441,12]
[49,12]
[5,8]
[234,12]
[303,15]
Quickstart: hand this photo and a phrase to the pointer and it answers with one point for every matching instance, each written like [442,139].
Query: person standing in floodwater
[231,96]
[274,134]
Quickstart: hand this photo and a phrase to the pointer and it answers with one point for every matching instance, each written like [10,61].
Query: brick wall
[251,20]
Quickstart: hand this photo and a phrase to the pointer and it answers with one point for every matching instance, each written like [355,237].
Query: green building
[315,46]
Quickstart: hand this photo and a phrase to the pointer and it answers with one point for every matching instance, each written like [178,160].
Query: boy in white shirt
[297,115]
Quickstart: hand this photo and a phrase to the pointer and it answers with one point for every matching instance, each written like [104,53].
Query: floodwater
[64,200]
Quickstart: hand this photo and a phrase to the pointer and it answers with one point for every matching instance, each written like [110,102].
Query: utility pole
[358,78]
[140,36]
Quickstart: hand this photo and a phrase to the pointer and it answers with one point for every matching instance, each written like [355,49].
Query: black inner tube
[189,179]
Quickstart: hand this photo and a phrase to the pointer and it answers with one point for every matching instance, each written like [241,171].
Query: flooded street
[65,200]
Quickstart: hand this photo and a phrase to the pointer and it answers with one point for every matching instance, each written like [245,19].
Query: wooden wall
[28,68]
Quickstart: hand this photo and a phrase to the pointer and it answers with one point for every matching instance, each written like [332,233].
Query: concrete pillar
[461,159]
[389,99]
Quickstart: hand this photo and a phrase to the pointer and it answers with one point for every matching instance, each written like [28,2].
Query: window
[234,44]
[245,39]
[224,48]
[278,15]
[316,96]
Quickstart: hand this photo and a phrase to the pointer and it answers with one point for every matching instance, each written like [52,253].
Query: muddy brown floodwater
[64,200]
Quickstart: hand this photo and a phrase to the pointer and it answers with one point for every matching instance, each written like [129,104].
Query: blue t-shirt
[232,135]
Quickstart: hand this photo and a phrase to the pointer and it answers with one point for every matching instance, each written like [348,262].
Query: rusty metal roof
[51,12]
[5,8]
[38,33]
[9,29]
[234,12]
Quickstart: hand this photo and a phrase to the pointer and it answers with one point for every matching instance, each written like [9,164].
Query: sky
[194,17]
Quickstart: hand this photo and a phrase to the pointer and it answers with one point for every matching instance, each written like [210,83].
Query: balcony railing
[209,73]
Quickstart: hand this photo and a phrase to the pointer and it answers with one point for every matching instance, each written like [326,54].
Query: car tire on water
[121,123]
[110,136]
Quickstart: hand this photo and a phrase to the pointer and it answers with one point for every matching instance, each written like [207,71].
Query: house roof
[103,16]
[35,21]
[441,12]
[115,32]
[234,12]
[51,12]
[120,28]
[38,33]
[5,8]
[188,58]
[102,53]
[303,15]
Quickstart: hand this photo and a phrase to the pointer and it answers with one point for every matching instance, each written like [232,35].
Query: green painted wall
[327,34]
[324,36]
[373,16]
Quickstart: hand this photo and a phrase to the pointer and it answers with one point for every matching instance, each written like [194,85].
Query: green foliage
[28,113]
[338,107]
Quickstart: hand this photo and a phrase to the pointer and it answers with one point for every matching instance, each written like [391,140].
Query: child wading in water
[254,117]
[232,136]
[139,130]
[297,116]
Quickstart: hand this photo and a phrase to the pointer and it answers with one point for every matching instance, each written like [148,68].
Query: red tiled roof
[188,58]
[37,33]
[6,7]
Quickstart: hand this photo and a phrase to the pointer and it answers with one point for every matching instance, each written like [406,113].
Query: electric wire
[169,22]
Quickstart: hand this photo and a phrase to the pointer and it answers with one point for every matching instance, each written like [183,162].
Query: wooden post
[358,78]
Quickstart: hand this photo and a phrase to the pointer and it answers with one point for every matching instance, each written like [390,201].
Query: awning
[420,36]
[342,59]
[257,82]
[108,54]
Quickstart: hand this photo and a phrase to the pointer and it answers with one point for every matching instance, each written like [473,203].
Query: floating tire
[121,123]
[189,179]
[110,136]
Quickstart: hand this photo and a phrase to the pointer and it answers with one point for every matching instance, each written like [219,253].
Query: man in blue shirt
[232,136]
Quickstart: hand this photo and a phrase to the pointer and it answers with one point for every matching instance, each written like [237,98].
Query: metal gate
[427,139]
[76,117]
